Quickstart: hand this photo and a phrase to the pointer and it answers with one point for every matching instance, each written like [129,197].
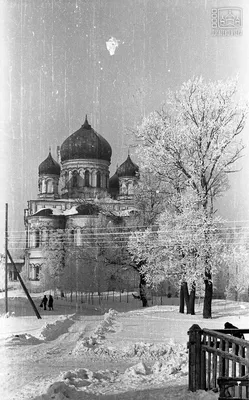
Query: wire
[122,244]
[122,236]
[144,226]
[126,231]
[125,236]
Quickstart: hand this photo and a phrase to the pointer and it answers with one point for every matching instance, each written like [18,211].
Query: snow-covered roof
[73,211]
[56,211]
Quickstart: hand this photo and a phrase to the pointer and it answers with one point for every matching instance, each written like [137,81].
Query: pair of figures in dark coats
[48,301]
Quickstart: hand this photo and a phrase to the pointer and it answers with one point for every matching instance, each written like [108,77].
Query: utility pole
[8,255]
[6,258]
[24,287]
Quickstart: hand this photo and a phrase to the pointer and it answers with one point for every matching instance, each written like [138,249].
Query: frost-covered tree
[83,271]
[150,196]
[194,142]
[185,239]
[236,261]
[113,255]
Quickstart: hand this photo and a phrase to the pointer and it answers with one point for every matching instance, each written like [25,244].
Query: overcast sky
[56,67]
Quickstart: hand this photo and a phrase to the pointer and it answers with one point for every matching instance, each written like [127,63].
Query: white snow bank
[7,315]
[57,328]
[146,351]
[22,339]
[107,324]
[50,331]
[84,384]
[140,350]
[92,342]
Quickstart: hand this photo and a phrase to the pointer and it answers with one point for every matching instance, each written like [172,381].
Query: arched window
[43,186]
[49,186]
[71,235]
[93,179]
[77,238]
[123,189]
[130,188]
[44,236]
[37,238]
[75,179]
[87,179]
[80,180]
[66,177]
[36,272]
[98,179]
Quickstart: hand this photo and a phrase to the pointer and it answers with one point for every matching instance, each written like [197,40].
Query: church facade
[79,177]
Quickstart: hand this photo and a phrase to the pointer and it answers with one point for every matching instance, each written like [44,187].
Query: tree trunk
[181,307]
[142,289]
[207,306]
[192,300]
[186,296]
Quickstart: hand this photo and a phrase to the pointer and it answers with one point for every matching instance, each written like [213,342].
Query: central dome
[85,143]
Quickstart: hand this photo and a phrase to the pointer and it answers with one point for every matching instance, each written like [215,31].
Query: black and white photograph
[124,199]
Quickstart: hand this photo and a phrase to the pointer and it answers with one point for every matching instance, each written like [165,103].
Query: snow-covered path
[139,354]
[27,367]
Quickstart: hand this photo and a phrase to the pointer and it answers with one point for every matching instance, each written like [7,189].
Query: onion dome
[128,168]
[85,143]
[49,166]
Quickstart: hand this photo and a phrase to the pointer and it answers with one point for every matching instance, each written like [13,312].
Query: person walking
[44,302]
[50,303]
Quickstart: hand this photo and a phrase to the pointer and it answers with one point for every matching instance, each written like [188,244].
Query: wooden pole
[6,258]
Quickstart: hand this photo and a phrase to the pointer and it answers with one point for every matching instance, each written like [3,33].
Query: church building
[79,177]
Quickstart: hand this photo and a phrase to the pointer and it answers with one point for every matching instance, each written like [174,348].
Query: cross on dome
[86,124]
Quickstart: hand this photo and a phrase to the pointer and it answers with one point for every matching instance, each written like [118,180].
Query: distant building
[12,274]
[79,176]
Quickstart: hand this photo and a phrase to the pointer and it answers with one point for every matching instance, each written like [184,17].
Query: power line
[115,235]
[145,226]
[122,244]
[127,235]
[128,230]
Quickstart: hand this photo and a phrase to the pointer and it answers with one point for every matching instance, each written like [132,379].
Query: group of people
[47,301]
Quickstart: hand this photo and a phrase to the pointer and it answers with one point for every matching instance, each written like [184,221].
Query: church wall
[38,229]
[48,186]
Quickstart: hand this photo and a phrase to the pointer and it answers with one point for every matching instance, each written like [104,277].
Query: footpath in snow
[144,351]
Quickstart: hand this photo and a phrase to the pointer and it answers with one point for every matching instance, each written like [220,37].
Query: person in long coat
[44,302]
[50,303]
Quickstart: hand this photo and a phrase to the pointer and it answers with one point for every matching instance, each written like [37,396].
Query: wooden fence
[217,354]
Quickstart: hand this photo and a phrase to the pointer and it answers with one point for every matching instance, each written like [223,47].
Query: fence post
[195,358]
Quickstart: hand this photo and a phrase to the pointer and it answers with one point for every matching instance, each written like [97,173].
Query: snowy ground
[100,354]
